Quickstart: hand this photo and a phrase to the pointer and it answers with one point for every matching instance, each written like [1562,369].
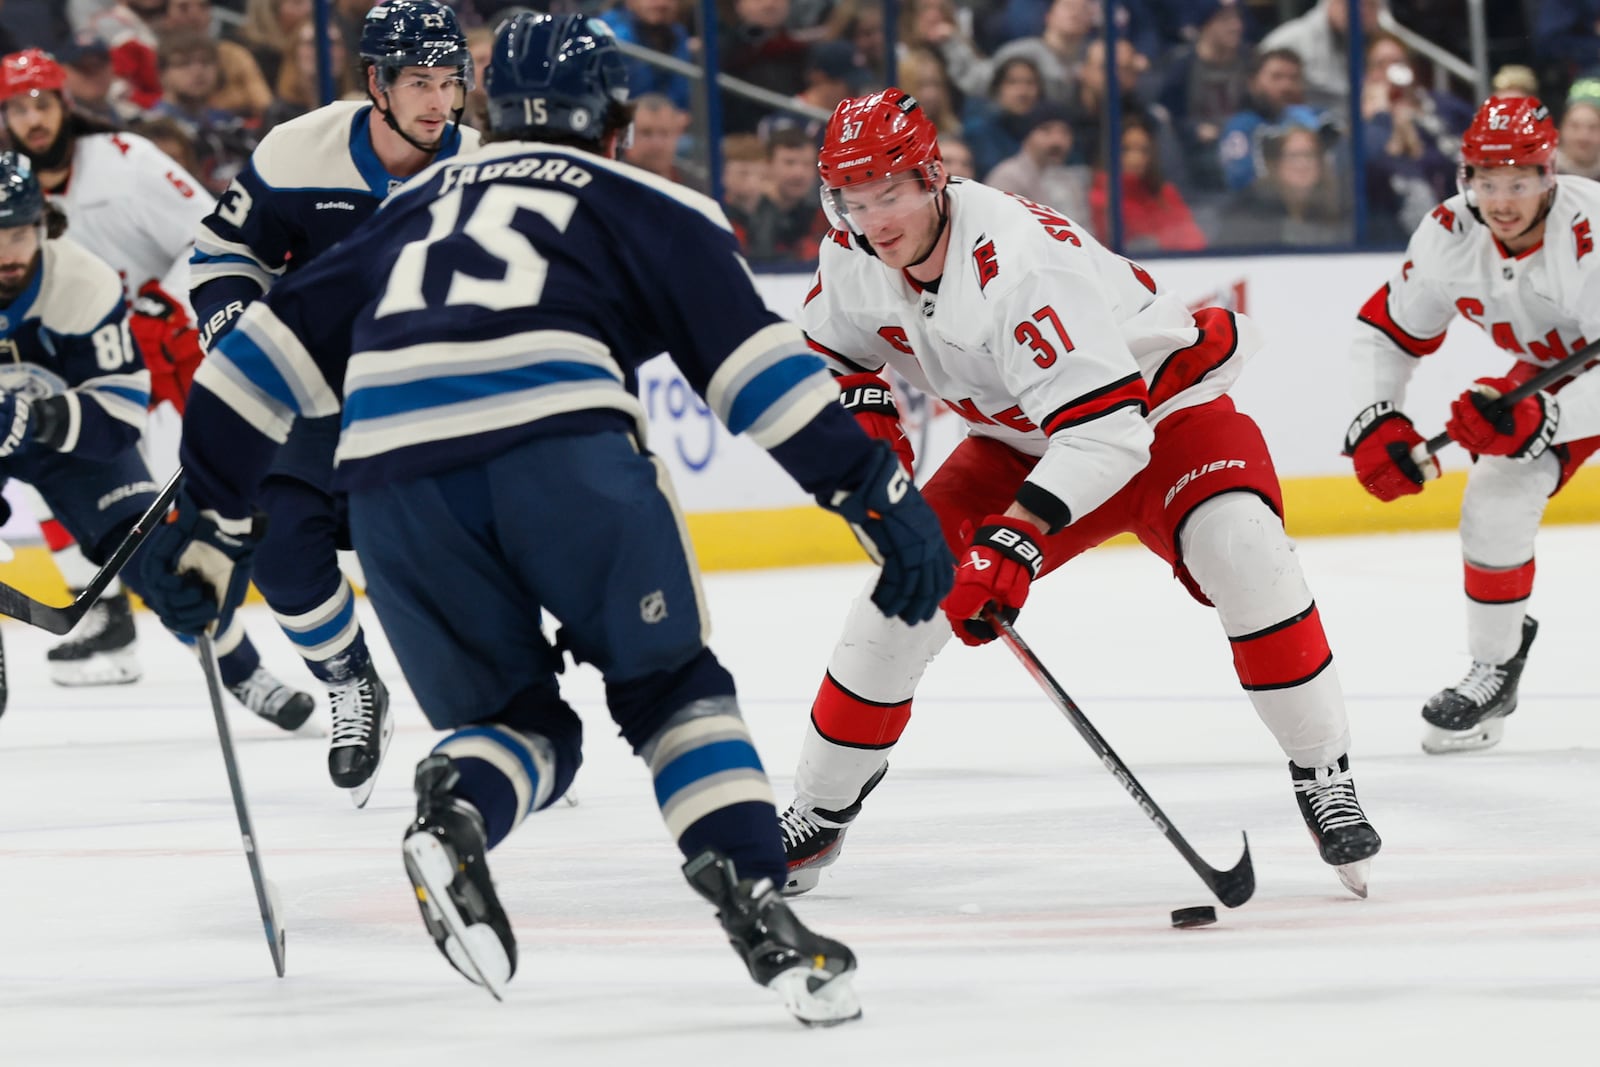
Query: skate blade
[113,668]
[359,795]
[1437,741]
[473,949]
[1354,876]
[802,880]
[830,1004]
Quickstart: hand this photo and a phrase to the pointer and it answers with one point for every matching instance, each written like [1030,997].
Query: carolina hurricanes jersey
[1540,306]
[130,204]
[1038,335]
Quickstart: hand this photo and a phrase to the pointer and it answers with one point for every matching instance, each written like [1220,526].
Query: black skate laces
[1332,797]
[1482,683]
[353,707]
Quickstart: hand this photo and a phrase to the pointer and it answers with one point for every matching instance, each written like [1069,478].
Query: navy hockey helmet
[21,199]
[554,74]
[414,33]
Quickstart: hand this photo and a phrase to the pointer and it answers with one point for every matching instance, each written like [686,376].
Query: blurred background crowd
[1211,124]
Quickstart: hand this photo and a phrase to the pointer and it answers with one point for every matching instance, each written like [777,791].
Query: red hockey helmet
[872,138]
[1510,131]
[31,70]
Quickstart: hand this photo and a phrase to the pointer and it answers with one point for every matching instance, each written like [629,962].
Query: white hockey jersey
[133,206]
[1038,335]
[1540,306]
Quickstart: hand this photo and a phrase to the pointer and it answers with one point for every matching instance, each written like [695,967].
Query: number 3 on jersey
[489,226]
[1029,334]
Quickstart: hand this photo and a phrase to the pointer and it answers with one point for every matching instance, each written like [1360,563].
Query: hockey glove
[16,422]
[998,565]
[196,566]
[168,342]
[1522,431]
[869,399]
[1379,443]
[899,530]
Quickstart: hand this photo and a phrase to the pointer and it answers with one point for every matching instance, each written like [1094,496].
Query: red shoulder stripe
[1128,392]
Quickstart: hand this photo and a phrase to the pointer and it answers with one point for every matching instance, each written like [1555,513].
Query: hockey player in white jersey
[135,208]
[1097,405]
[1513,253]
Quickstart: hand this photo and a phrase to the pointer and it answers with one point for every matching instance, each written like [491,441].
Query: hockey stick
[1232,887]
[19,605]
[266,892]
[1572,366]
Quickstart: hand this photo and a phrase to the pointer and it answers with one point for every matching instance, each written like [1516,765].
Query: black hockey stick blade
[1233,886]
[19,605]
[266,895]
[1573,365]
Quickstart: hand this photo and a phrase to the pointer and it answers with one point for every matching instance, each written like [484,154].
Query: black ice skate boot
[1471,714]
[447,862]
[104,648]
[275,702]
[812,837]
[1347,841]
[361,732]
[809,972]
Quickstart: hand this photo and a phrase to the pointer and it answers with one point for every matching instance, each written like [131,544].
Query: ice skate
[1471,714]
[811,974]
[1347,841]
[446,859]
[283,707]
[362,729]
[103,649]
[812,837]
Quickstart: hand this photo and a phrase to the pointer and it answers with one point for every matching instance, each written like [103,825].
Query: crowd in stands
[1237,117]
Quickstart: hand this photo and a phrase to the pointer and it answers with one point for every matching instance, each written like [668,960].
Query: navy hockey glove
[196,566]
[998,565]
[16,422]
[1523,431]
[899,530]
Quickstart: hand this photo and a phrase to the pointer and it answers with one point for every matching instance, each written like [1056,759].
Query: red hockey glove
[999,563]
[168,342]
[1379,442]
[869,398]
[1523,431]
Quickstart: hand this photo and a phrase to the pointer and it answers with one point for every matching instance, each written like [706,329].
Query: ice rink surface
[1008,902]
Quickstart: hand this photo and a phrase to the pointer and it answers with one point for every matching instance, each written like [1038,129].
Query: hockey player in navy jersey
[482,335]
[307,186]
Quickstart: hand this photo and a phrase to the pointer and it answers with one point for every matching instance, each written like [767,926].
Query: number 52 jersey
[1037,335]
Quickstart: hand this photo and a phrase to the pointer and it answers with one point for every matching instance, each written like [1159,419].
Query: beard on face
[14,278]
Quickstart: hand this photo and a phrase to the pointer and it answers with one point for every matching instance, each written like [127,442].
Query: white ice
[1009,904]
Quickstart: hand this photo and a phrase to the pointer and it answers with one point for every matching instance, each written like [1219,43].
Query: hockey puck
[1184,918]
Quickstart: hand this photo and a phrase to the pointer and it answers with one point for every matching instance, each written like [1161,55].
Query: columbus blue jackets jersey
[309,183]
[502,296]
[66,335]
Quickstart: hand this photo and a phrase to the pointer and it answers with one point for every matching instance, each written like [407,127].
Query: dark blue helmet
[554,74]
[414,33]
[21,200]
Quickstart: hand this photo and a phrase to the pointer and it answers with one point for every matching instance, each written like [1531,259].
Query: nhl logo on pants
[653,608]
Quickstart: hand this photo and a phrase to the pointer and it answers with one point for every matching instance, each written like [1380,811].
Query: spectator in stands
[1566,37]
[244,90]
[1318,38]
[653,24]
[921,73]
[744,181]
[169,135]
[1514,79]
[1204,84]
[91,83]
[1276,101]
[189,78]
[958,162]
[658,124]
[1298,201]
[299,85]
[1057,53]
[131,40]
[1154,215]
[1412,136]
[1090,112]
[758,47]
[831,74]
[865,31]
[992,124]
[268,32]
[1579,150]
[1039,170]
[788,222]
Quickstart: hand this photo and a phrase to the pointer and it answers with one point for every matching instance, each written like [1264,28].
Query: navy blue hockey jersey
[501,296]
[66,335]
[309,183]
